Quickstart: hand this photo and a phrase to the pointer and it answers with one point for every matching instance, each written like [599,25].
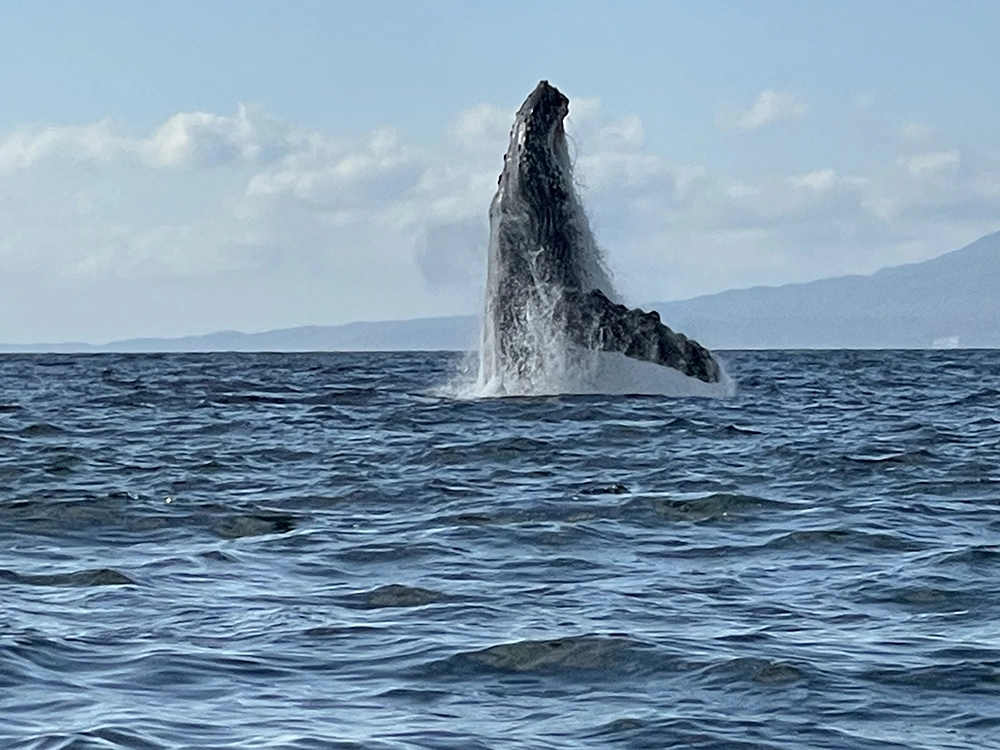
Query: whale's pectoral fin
[595,322]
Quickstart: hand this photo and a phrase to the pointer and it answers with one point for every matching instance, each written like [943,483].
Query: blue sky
[172,168]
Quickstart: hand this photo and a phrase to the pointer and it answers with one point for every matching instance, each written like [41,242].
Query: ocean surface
[316,551]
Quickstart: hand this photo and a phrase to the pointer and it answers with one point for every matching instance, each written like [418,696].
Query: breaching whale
[550,304]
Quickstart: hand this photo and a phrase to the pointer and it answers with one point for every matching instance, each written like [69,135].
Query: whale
[550,302]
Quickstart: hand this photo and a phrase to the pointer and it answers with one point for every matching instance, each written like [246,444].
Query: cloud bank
[769,107]
[246,221]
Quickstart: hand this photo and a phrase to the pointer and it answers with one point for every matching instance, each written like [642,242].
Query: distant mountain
[456,333]
[951,300]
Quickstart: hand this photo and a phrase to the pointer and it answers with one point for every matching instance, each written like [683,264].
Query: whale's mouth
[550,304]
[538,125]
[544,109]
[545,237]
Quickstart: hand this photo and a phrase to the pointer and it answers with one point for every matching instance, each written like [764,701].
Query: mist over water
[309,551]
[549,362]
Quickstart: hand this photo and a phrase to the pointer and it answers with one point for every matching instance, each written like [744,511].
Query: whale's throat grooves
[549,300]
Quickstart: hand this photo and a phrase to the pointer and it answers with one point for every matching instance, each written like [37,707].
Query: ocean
[320,550]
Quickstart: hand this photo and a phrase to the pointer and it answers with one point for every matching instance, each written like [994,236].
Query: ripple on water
[961,677]
[845,538]
[714,507]
[754,670]
[395,595]
[97,577]
[572,657]
[236,527]
[319,550]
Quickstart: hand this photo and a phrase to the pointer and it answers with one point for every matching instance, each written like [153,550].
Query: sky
[179,168]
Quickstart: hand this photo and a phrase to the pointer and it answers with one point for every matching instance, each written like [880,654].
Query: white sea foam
[572,370]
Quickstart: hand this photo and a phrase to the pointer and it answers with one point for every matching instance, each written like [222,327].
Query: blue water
[314,551]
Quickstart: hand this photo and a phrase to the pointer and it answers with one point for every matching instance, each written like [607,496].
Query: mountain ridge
[950,300]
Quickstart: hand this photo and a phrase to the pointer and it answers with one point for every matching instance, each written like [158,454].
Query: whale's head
[540,118]
[541,231]
[537,140]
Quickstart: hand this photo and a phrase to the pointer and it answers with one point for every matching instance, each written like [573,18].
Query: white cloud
[583,109]
[821,180]
[817,181]
[251,222]
[915,131]
[357,179]
[864,102]
[769,107]
[924,164]
[23,149]
[188,139]
[204,139]
[624,134]
[483,128]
